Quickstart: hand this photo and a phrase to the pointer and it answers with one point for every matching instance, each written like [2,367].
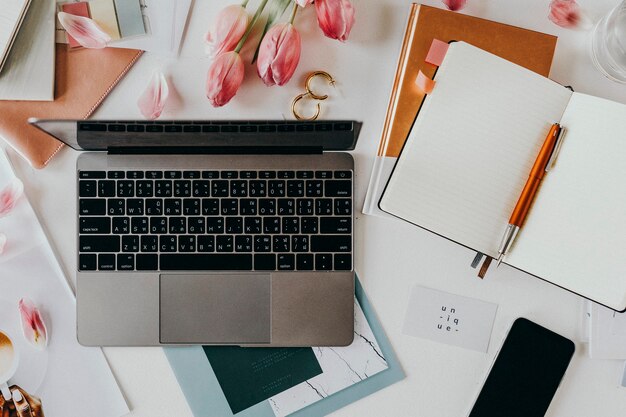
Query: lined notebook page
[472,147]
[575,233]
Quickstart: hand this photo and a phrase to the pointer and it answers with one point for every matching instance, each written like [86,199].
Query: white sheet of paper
[77,380]
[449,318]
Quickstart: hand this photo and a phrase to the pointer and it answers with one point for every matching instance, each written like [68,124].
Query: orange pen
[540,167]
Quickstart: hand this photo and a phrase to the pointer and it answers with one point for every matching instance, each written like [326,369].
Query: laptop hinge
[215,150]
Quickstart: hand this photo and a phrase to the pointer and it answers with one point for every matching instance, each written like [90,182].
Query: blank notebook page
[472,147]
[575,233]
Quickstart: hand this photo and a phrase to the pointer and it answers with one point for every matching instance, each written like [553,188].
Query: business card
[449,318]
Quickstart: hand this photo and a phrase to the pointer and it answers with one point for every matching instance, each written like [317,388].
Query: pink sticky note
[424,83]
[437,52]
[77,9]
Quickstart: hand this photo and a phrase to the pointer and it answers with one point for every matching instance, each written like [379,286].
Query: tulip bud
[230,26]
[279,54]
[224,78]
[335,18]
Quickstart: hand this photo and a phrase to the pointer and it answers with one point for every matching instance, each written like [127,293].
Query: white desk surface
[391,256]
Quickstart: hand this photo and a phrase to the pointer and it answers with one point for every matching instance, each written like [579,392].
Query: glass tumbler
[608,44]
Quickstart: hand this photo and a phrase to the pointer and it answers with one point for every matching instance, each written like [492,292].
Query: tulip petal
[303,3]
[84,30]
[455,5]
[279,54]
[33,325]
[152,101]
[230,25]
[224,78]
[3,242]
[335,18]
[565,13]
[10,195]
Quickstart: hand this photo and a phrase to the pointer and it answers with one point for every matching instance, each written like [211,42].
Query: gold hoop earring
[307,84]
[294,104]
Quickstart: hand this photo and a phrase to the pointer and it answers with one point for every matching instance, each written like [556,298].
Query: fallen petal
[86,32]
[565,13]
[9,196]
[3,242]
[455,5]
[33,326]
[152,101]
[424,83]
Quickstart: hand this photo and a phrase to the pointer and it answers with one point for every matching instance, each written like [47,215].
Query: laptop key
[224,243]
[99,243]
[271,225]
[120,226]
[334,225]
[343,262]
[95,225]
[154,207]
[243,243]
[239,188]
[262,243]
[144,188]
[210,206]
[267,206]
[309,225]
[130,243]
[201,188]
[331,243]
[149,243]
[286,206]
[173,206]
[234,225]
[139,225]
[291,225]
[265,262]
[106,262]
[87,188]
[91,207]
[182,188]
[196,225]
[115,175]
[191,207]
[125,262]
[276,188]
[177,225]
[338,188]
[281,243]
[92,174]
[229,207]
[158,225]
[248,207]
[134,207]
[163,188]
[106,188]
[206,243]
[323,261]
[314,188]
[304,262]
[147,262]
[295,188]
[186,243]
[168,243]
[286,262]
[219,188]
[87,262]
[257,188]
[300,243]
[323,206]
[215,225]
[305,206]
[116,207]
[206,262]
[343,206]
[253,225]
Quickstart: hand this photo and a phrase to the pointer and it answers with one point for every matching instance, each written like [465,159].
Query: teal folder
[207,397]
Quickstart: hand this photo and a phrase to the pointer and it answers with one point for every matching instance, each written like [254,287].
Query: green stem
[293,14]
[244,4]
[250,26]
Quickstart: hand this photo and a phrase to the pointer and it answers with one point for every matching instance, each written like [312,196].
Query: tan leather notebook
[83,80]
[530,49]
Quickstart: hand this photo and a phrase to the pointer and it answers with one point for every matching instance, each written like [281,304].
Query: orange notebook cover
[83,80]
[530,49]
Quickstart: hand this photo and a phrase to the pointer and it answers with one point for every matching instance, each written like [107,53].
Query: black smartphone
[526,373]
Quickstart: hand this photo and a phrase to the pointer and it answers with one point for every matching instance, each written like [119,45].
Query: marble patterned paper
[341,366]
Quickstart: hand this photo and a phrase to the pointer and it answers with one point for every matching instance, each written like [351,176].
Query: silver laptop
[199,232]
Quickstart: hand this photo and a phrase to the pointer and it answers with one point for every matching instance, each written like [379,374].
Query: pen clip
[556,150]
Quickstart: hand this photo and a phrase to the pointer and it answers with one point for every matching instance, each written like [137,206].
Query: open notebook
[468,157]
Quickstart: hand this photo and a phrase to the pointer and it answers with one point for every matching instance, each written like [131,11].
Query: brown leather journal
[83,80]
[530,49]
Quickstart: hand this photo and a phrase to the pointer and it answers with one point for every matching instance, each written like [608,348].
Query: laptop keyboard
[215,220]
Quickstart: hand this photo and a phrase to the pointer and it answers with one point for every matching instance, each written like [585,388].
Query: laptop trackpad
[215,308]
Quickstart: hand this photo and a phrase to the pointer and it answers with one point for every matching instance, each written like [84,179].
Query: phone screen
[526,373]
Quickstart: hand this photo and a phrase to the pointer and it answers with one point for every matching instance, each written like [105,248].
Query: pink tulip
[335,18]
[33,326]
[84,30]
[9,196]
[279,54]
[455,5]
[230,26]
[153,99]
[565,13]
[3,242]
[224,78]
